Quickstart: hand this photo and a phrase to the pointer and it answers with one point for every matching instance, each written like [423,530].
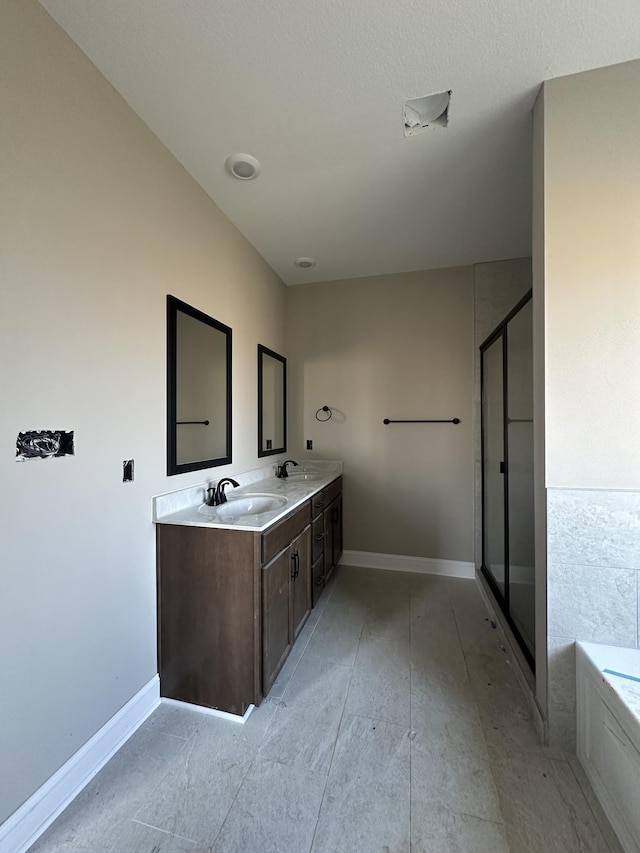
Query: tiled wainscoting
[593,582]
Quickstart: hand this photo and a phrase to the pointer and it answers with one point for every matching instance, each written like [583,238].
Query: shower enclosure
[507,471]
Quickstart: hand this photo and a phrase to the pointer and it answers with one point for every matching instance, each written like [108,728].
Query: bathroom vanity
[326,536]
[234,592]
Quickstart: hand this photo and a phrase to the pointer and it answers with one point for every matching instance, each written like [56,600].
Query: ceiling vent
[430,111]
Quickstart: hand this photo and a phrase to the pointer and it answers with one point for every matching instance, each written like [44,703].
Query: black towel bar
[452,421]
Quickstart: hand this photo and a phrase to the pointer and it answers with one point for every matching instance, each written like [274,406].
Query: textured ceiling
[315,91]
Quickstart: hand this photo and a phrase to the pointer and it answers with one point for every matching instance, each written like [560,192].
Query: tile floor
[397,724]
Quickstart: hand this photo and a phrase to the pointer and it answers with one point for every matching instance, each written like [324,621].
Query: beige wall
[540,503]
[587,274]
[97,224]
[395,346]
[592,274]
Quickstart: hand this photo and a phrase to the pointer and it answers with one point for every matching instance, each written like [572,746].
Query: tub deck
[608,721]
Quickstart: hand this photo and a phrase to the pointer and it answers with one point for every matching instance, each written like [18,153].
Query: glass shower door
[507,471]
[493,539]
[520,444]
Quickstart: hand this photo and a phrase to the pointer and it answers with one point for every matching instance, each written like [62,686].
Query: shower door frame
[503,600]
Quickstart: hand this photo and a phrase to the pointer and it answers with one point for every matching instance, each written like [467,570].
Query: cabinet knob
[319,537]
[320,580]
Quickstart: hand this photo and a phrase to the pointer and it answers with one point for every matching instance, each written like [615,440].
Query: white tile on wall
[594,527]
[562,730]
[593,576]
[562,692]
[592,603]
[638,608]
[562,672]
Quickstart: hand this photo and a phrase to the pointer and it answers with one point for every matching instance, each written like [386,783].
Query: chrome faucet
[218,496]
[282,468]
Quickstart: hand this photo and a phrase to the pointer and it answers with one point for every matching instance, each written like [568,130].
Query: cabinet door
[275,617]
[336,523]
[317,537]
[300,557]
[329,533]
[317,579]
[332,536]
[328,543]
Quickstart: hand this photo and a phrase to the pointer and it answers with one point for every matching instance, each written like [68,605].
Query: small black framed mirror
[198,389]
[272,402]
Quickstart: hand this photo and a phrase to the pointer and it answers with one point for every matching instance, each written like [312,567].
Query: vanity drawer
[322,500]
[332,491]
[279,536]
[317,538]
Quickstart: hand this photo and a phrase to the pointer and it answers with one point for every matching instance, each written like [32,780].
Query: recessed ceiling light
[305,263]
[244,167]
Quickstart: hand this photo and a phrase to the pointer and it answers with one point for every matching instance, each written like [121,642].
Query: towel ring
[324,409]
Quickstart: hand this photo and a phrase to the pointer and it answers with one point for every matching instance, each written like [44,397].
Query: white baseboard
[212,712]
[399,563]
[27,824]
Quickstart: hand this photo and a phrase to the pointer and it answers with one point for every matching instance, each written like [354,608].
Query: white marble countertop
[620,670]
[186,506]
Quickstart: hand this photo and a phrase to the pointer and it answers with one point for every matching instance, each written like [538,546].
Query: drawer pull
[319,504]
[319,537]
[296,565]
[320,580]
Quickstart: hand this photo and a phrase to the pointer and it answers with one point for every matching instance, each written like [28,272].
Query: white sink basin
[304,475]
[247,505]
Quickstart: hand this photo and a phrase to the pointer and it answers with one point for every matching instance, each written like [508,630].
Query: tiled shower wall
[593,582]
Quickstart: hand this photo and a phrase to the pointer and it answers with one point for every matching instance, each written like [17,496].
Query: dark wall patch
[44,444]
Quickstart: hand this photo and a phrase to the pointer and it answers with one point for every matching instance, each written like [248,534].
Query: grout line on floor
[226,817]
[411,744]
[335,743]
[165,831]
[604,831]
[304,651]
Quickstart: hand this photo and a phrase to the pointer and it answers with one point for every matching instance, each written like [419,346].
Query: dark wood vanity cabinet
[232,602]
[286,603]
[300,605]
[230,605]
[209,616]
[326,527]
[276,629]
[317,558]
[333,536]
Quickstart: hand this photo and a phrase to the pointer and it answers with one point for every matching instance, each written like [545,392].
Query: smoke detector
[430,111]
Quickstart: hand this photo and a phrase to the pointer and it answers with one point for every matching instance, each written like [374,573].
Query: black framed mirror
[198,389]
[272,402]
